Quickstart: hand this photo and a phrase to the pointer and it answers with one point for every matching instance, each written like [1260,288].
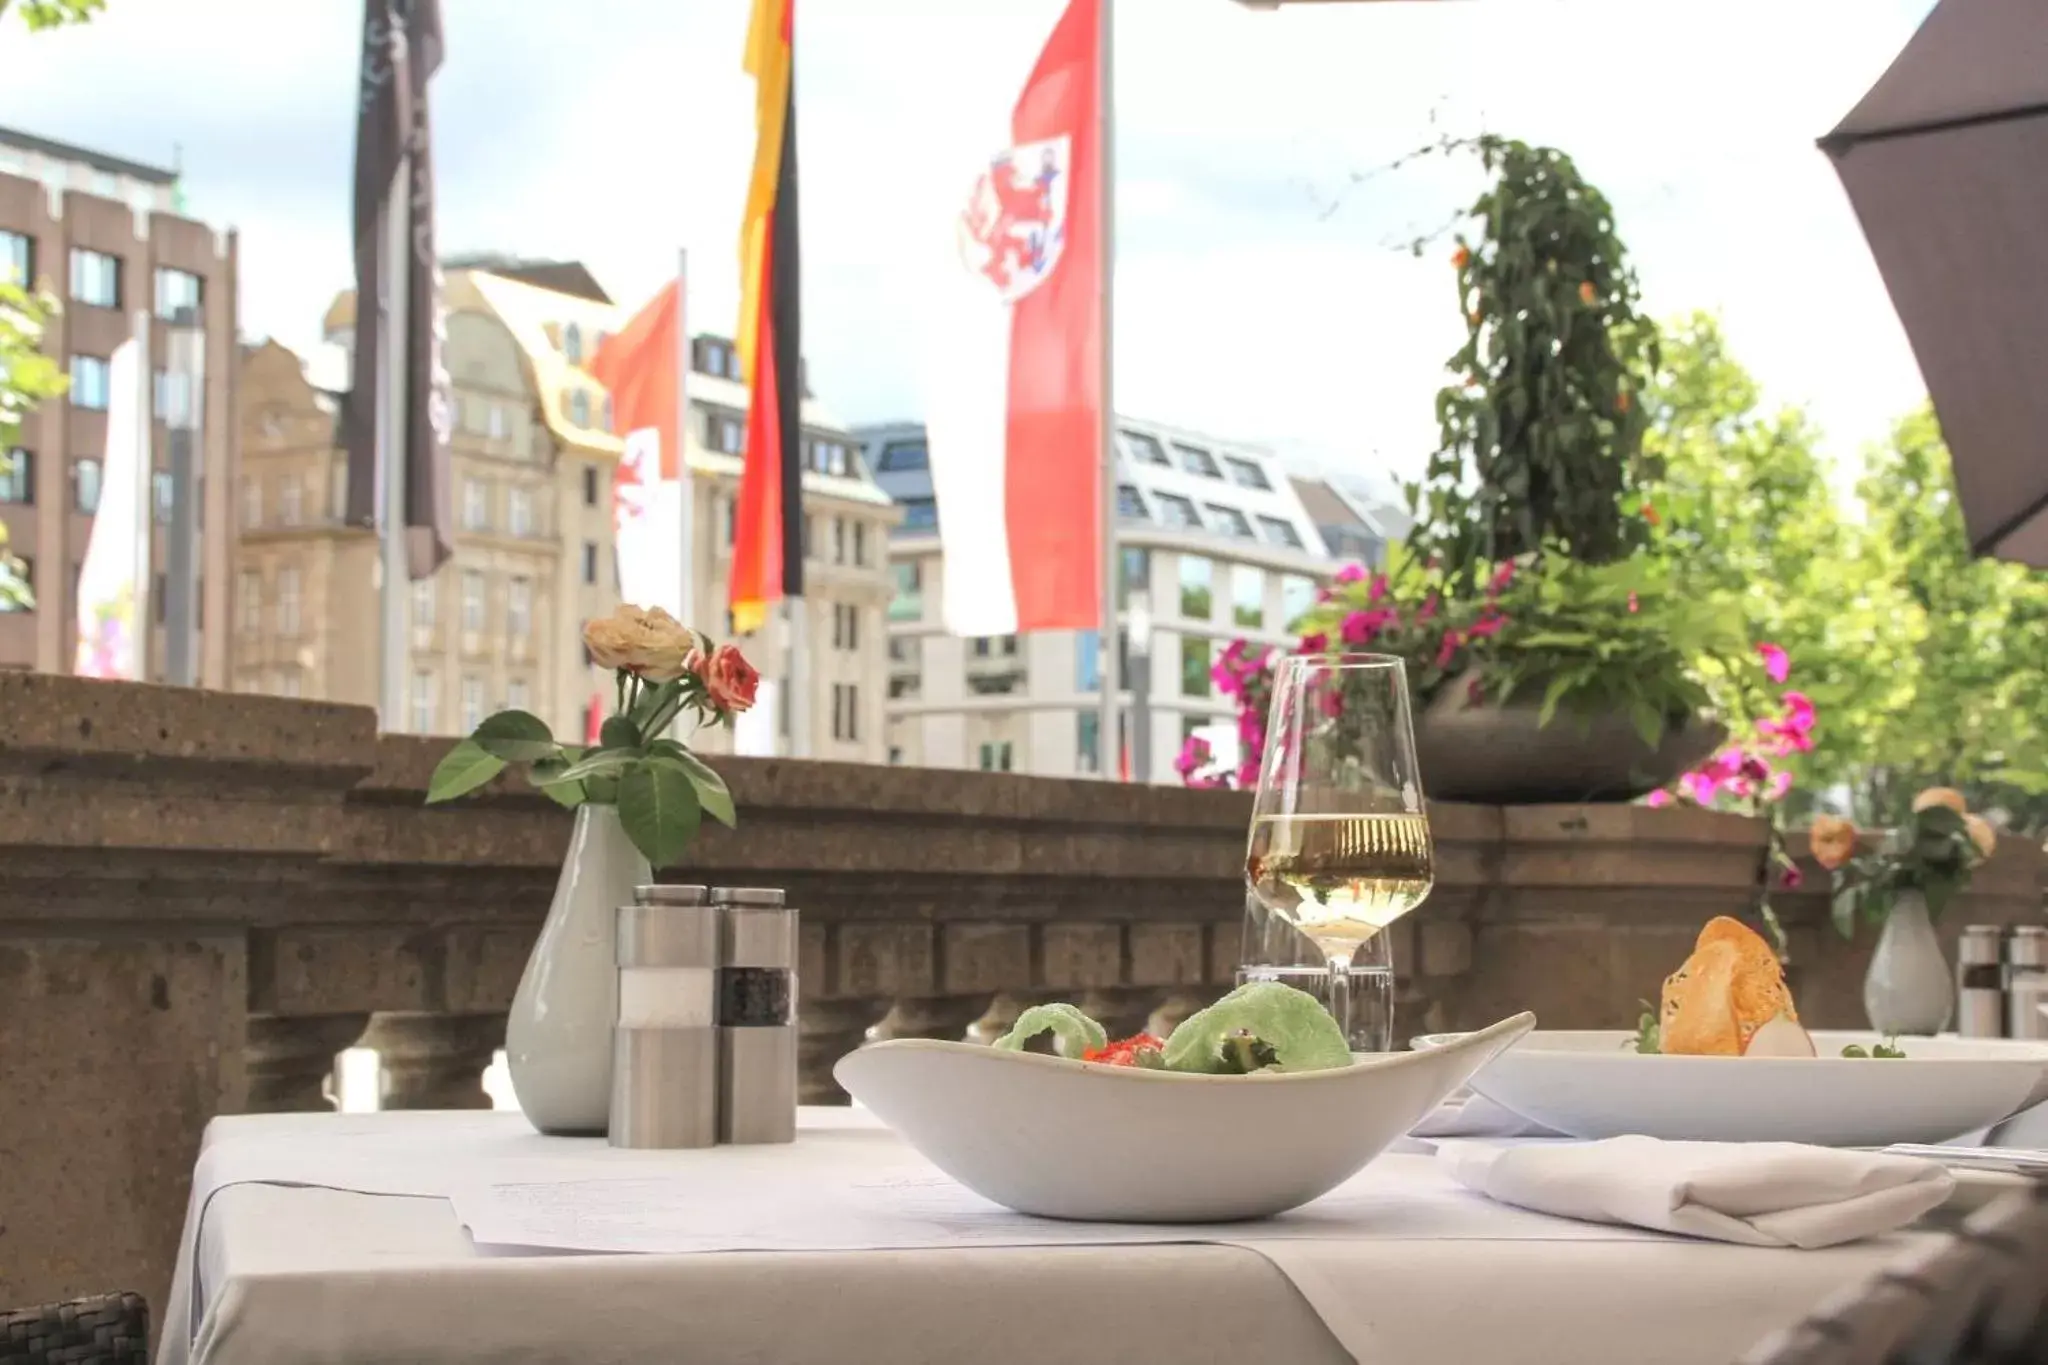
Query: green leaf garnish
[1074,1034]
[1261,1025]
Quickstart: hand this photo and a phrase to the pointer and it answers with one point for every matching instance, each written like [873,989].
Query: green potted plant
[640,796]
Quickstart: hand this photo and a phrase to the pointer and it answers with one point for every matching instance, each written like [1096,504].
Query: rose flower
[649,643]
[1981,834]
[729,680]
[1940,796]
[1832,839]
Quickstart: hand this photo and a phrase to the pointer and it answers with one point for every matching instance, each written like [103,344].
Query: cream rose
[1981,833]
[1832,839]
[647,642]
[1941,796]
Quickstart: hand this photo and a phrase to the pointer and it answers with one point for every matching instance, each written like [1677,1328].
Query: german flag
[768,552]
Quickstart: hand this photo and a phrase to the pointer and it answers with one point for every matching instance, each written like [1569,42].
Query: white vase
[558,1040]
[1910,989]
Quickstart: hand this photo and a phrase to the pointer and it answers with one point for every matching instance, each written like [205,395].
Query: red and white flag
[1013,402]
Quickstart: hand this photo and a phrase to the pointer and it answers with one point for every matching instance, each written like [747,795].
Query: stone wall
[204,897]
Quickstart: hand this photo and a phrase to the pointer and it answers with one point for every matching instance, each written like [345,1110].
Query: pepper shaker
[1980,982]
[757,1061]
[2026,982]
[665,1047]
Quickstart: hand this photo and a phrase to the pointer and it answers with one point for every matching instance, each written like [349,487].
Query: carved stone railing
[204,898]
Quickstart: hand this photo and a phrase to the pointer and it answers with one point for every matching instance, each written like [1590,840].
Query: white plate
[1068,1139]
[1591,1085]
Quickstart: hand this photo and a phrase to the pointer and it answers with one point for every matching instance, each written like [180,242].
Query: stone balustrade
[204,898]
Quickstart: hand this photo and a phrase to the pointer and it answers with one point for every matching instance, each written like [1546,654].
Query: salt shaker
[756,1015]
[1980,982]
[2026,982]
[665,1046]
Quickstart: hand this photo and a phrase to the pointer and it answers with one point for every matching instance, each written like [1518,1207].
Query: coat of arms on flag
[1014,227]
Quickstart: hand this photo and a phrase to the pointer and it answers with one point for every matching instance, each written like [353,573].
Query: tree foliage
[42,14]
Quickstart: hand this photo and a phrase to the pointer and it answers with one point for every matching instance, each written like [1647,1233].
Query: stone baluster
[826,1031]
[290,1059]
[1174,1008]
[998,1019]
[1121,1010]
[945,1017]
[435,1061]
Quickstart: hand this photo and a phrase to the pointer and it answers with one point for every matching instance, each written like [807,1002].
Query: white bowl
[1593,1085]
[1067,1139]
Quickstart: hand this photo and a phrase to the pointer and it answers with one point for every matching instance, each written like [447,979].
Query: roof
[559,277]
[65,151]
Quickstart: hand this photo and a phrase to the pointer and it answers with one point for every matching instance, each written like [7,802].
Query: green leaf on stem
[653,698]
[597,763]
[515,737]
[618,732]
[712,793]
[465,768]
[1844,910]
[659,808]
[546,774]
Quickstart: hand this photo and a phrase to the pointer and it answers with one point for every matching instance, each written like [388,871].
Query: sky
[1263,288]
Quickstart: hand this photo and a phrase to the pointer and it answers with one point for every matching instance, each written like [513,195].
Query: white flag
[111,586]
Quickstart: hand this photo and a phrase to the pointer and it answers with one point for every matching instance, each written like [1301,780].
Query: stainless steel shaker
[1980,982]
[2026,982]
[757,1054]
[665,1045]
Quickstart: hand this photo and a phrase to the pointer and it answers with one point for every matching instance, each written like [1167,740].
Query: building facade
[1213,544]
[98,236]
[533,454]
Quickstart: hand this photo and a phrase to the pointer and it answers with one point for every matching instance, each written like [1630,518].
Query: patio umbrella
[1946,164]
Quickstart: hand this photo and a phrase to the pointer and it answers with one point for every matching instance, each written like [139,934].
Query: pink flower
[1331,703]
[1798,710]
[1790,878]
[1502,576]
[1475,693]
[1195,753]
[1314,643]
[1360,627]
[1633,605]
[1228,683]
[1248,774]
[1487,625]
[1699,787]
[1755,769]
[1350,573]
[1448,650]
[1378,589]
[1777,663]
[1776,788]
[1658,799]
[1428,612]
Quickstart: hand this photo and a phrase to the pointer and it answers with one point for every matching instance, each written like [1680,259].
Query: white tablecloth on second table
[332,1239]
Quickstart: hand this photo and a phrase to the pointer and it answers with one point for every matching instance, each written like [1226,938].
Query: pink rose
[729,680]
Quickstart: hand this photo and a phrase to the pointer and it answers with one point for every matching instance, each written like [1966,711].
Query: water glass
[1274,950]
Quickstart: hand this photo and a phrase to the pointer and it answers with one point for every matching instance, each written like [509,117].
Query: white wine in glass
[1340,843]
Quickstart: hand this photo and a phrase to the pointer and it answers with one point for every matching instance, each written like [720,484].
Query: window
[1133,570]
[1197,587]
[1248,596]
[249,601]
[519,511]
[95,278]
[1280,532]
[590,485]
[1246,474]
[1087,662]
[838,540]
[17,259]
[1196,460]
[1177,511]
[472,703]
[845,626]
[252,503]
[476,505]
[829,457]
[860,544]
[517,697]
[904,456]
[519,608]
[174,398]
[177,295]
[423,601]
[1229,520]
[920,514]
[908,602]
[845,711]
[1297,595]
[89,383]
[423,703]
[732,521]
[995,758]
[18,477]
[572,343]
[163,493]
[495,425]
[1194,665]
[472,600]
[726,434]
[288,602]
[604,412]
[590,562]
[579,408]
[895,756]
[288,499]
[1142,447]
[85,485]
[1130,505]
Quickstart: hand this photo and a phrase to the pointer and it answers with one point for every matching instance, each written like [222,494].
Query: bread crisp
[1730,987]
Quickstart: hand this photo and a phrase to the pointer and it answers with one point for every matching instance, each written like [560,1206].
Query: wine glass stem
[1340,993]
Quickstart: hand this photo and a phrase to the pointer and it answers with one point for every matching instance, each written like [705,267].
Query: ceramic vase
[558,1040]
[1910,989]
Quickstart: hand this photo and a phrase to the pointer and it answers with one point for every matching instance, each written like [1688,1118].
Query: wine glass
[1340,844]
[1274,950]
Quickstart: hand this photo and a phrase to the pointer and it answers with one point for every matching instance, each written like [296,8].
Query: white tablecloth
[328,1238]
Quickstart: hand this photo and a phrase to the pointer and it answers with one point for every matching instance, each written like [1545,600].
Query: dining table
[443,1237]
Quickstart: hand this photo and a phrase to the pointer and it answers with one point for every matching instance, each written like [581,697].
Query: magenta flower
[1798,710]
[1780,783]
[1502,576]
[1754,768]
[1314,643]
[1658,799]
[1700,787]
[1777,663]
[1361,627]
[1194,753]
[1248,774]
[1428,611]
[1633,605]
[1226,679]
[1487,625]
[1448,650]
[1350,573]
[1790,878]
[1331,703]
[1475,692]
[1378,588]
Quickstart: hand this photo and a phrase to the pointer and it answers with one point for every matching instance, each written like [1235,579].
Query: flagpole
[394,221]
[685,482]
[1106,724]
[145,495]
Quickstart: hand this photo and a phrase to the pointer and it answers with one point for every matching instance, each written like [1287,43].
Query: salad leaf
[1262,1025]
[1074,1034]
[1648,1036]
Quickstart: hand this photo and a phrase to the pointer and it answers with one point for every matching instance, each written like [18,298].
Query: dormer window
[572,343]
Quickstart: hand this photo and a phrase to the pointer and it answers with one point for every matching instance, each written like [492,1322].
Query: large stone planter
[1499,755]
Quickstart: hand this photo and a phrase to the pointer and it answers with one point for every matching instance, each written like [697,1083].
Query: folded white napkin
[1769,1194]
[1466,1114]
